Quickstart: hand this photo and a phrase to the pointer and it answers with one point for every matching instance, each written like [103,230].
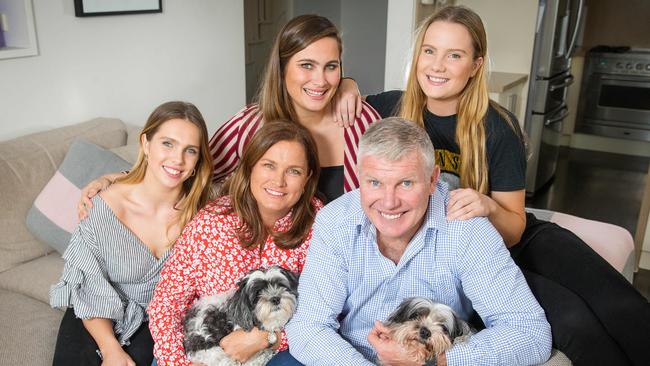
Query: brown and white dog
[426,328]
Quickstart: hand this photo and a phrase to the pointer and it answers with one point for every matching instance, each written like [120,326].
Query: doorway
[262,21]
[364,55]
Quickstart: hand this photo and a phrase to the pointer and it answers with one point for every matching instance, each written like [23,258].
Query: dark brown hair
[273,98]
[253,233]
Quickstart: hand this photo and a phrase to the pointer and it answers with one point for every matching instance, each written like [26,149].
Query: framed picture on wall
[91,8]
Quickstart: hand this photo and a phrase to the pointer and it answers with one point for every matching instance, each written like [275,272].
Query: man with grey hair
[389,241]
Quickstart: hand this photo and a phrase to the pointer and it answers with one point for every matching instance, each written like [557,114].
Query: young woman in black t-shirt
[596,316]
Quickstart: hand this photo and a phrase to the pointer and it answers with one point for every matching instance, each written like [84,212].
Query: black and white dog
[426,328]
[264,298]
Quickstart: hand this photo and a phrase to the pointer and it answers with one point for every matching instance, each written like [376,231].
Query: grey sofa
[28,326]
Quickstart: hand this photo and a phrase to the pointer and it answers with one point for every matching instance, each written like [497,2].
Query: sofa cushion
[28,330]
[557,359]
[127,152]
[53,217]
[34,278]
[26,165]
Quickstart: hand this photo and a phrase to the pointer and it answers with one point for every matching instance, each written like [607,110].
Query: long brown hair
[195,191]
[273,98]
[252,232]
[473,101]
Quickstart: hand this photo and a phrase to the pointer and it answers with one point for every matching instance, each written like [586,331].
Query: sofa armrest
[612,242]
[27,163]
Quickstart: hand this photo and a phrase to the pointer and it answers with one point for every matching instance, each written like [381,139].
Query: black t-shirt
[330,183]
[506,154]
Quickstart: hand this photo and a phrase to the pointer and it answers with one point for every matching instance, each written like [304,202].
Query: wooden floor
[599,186]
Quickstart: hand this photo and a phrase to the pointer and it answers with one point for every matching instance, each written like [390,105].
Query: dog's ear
[292,277]
[240,307]
[461,328]
[402,313]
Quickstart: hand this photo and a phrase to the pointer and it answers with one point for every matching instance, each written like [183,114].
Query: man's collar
[436,216]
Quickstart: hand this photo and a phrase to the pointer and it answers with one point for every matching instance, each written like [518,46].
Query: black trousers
[596,316]
[75,346]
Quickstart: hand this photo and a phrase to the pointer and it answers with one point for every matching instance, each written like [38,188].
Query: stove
[615,94]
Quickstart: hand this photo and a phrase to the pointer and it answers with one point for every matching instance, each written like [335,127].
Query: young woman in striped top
[302,75]
[115,255]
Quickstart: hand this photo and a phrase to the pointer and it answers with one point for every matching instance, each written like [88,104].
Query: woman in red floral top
[264,218]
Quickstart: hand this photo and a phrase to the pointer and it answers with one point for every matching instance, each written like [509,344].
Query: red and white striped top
[227,144]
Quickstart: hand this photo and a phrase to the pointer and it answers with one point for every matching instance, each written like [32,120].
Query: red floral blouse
[207,259]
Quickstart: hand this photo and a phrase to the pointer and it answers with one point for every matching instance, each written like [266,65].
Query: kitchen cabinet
[508,89]
[18,29]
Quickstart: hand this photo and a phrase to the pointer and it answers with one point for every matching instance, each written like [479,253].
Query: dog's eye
[444,329]
[414,316]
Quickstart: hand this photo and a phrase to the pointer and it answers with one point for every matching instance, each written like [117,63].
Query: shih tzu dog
[426,328]
[264,298]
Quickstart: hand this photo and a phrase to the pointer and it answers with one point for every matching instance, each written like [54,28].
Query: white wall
[510,27]
[399,34]
[124,66]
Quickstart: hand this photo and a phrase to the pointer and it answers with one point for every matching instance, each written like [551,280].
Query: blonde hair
[195,191]
[473,100]
[273,98]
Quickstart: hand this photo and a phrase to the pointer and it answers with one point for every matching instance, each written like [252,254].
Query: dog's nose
[275,300]
[425,333]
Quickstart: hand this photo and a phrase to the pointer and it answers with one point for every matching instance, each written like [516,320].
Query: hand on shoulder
[466,203]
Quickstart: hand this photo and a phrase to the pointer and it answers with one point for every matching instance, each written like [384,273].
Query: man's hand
[241,345]
[388,351]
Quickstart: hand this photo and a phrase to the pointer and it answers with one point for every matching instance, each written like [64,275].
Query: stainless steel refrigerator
[556,32]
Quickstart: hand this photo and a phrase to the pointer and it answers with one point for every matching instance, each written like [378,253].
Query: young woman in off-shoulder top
[116,254]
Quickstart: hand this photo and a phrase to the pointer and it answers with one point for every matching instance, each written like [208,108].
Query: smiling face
[312,76]
[172,152]
[278,180]
[395,196]
[445,65]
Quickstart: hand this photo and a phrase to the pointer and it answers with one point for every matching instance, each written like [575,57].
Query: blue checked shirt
[347,284]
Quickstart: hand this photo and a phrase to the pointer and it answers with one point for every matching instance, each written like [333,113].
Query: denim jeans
[283,358]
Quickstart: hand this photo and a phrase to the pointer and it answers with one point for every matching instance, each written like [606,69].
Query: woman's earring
[193,172]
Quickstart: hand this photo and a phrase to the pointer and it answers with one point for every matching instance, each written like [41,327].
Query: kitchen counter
[502,81]
[508,90]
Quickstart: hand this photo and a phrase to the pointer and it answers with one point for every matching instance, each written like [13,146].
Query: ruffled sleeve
[84,285]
